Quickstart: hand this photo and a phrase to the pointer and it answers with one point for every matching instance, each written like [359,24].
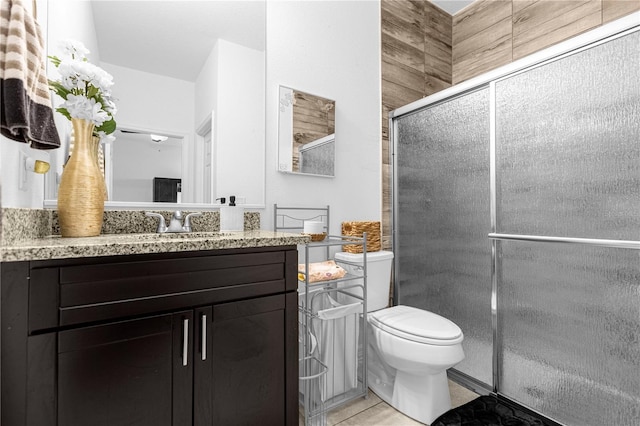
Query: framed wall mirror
[306,133]
[193,71]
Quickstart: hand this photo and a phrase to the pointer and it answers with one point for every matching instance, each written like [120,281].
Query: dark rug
[487,410]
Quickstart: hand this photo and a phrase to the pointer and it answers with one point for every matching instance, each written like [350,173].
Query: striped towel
[27,115]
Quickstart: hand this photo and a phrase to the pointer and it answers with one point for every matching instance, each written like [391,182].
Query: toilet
[409,349]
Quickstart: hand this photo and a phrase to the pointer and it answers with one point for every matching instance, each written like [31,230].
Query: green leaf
[64,112]
[108,127]
[92,91]
[55,60]
[57,87]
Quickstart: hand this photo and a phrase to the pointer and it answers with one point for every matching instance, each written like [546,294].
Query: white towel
[27,115]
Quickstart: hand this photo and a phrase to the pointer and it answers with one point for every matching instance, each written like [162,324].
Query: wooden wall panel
[404,21]
[416,62]
[401,84]
[481,38]
[402,41]
[480,15]
[545,23]
[437,49]
[614,9]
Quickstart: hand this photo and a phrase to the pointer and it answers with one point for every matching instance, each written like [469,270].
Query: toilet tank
[378,275]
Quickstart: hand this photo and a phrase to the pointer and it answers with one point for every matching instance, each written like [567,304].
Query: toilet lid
[417,325]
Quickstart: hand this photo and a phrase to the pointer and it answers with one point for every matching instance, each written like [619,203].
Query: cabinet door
[246,378]
[134,373]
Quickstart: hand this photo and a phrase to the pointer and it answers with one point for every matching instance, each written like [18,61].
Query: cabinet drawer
[119,287]
[158,283]
[128,268]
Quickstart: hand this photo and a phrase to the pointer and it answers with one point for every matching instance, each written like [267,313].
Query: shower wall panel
[442,218]
[568,145]
[568,321]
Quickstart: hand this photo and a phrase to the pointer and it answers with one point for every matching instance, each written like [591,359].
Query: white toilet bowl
[409,349]
[420,346]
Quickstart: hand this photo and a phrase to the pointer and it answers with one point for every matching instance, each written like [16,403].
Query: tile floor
[375,412]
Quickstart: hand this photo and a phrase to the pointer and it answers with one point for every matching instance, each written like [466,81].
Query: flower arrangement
[85,88]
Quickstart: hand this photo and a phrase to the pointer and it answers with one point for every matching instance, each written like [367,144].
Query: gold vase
[95,151]
[81,193]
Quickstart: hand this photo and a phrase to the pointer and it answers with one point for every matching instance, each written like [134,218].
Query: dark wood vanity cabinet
[193,338]
[128,372]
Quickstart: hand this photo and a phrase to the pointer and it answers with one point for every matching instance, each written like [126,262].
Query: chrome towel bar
[634,245]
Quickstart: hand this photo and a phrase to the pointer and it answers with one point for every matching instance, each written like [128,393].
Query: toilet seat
[417,325]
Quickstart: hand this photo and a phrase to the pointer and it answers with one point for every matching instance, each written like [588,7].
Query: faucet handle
[187,221]
[162,226]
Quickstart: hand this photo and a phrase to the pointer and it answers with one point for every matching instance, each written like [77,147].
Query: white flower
[105,138]
[74,49]
[77,74]
[109,105]
[79,106]
[86,88]
[69,77]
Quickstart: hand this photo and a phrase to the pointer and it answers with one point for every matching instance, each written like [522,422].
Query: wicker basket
[356,229]
[316,237]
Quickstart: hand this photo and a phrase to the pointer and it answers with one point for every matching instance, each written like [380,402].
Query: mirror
[156,179]
[190,70]
[306,133]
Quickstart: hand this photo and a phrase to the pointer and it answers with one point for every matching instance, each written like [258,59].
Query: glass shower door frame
[600,35]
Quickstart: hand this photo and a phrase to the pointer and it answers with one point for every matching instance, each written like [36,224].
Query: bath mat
[487,410]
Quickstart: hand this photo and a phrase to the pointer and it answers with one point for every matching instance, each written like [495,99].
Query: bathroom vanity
[206,336]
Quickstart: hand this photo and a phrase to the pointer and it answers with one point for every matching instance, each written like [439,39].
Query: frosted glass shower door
[568,166]
[442,217]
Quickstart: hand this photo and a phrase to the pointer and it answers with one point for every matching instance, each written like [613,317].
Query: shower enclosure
[517,216]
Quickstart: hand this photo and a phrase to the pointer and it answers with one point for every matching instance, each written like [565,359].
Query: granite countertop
[56,247]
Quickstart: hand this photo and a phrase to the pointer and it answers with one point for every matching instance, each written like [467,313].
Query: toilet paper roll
[313,227]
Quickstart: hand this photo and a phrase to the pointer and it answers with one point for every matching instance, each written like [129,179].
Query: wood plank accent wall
[490,33]
[481,38]
[314,117]
[425,50]
[614,9]
[416,62]
[543,23]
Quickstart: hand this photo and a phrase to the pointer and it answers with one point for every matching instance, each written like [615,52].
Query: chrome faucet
[175,224]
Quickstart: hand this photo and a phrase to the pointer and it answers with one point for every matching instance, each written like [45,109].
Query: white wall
[165,105]
[331,49]
[206,87]
[231,85]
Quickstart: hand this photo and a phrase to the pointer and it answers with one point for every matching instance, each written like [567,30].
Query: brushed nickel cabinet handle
[203,350]
[185,341]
